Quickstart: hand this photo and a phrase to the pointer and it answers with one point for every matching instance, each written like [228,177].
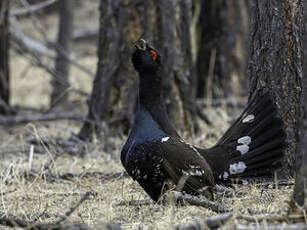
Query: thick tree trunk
[221,56]
[113,86]
[298,205]
[114,93]
[275,62]
[60,84]
[4,57]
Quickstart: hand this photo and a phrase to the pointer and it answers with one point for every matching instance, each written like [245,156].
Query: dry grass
[40,199]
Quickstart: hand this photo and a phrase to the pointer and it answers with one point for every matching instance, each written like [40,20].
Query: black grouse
[154,152]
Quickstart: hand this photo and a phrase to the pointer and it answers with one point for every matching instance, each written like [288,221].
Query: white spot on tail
[237,168]
[242,149]
[246,140]
[249,118]
[164,139]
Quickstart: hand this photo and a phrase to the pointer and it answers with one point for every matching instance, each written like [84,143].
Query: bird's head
[145,57]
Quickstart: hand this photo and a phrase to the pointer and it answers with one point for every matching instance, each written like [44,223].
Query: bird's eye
[154,54]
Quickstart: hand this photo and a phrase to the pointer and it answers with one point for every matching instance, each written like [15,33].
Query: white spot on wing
[246,140]
[237,168]
[225,176]
[164,139]
[242,149]
[249,118]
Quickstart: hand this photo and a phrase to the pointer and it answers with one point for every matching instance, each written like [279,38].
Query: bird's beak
[141,44]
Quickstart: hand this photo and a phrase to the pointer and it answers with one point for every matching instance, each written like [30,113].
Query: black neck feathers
[150,92]
[151,98]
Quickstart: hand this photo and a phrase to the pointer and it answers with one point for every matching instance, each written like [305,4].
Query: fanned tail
[253,145]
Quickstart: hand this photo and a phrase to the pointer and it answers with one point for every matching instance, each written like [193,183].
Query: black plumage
[154,152]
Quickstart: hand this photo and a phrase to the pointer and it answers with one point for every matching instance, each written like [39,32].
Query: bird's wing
[186,166]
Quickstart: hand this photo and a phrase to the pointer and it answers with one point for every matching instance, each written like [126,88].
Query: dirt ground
[32,185]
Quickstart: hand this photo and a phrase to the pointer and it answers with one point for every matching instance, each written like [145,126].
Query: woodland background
[68,94]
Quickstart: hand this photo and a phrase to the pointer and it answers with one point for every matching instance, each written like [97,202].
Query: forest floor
[39,181]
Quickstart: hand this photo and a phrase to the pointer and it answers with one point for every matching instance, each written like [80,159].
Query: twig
[199,201]
[13,120]
[85,197]
[31,9]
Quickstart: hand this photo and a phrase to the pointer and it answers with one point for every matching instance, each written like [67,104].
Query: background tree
[166,24]
[275,61]
[222,48]
[65,32]
[4,57]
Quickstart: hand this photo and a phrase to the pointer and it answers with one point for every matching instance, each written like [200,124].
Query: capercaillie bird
[154,152]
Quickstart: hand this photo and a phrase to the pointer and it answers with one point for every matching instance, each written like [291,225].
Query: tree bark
[174,41]
[113,98]
[297,204]
[60,83]
[113,67]
[275,63]
[4,57]
[221,56]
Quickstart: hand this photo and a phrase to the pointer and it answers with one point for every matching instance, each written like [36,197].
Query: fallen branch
[300,226]
[199,201]
[25,118]
[271,218]
[51,178]
[134,203]
[212,222]
[14,222]
[273,184]
[31,9]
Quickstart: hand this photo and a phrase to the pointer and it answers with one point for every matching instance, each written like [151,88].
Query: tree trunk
[275,62]
[174,41]
[4,57]
[60,83]
[221,56]
[114,93]
[297,204]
